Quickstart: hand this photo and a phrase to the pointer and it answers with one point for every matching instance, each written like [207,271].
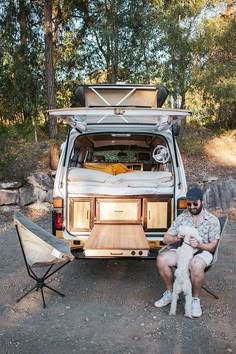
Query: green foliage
[8,137]
[187,45]
[22,79]
[214,74]
[190,141]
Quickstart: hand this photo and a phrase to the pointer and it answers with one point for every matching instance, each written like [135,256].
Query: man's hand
[179,237]
[193,242]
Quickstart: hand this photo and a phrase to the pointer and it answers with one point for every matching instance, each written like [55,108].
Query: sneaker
[165,300]
[196,307]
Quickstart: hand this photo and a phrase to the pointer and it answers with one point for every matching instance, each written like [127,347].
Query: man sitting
[208,227]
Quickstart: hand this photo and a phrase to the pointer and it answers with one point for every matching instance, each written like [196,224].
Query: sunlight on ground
[222,150]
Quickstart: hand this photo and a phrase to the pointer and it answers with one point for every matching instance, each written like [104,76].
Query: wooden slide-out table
[116,240]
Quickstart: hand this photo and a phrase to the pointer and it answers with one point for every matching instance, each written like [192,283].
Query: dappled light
[222,149]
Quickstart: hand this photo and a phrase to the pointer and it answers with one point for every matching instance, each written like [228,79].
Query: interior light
[120,135]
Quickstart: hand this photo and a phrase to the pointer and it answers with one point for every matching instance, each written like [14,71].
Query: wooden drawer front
[157,214]
[119,210]
[80,215]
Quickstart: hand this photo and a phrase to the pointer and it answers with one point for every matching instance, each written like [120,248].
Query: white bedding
[85,181]
[86,175]
[92,189]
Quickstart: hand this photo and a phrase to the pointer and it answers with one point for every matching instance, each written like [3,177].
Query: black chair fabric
[223,221]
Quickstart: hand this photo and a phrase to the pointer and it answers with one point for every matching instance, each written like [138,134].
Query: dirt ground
[108,307]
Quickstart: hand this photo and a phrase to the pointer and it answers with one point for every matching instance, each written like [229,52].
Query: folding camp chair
[223,221]
[40,249]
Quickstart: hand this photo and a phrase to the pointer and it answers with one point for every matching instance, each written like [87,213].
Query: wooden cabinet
[118,210]
[154,213]
[157,214]
[80,214]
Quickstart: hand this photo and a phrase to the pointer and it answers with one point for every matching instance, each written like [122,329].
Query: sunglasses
[192,203]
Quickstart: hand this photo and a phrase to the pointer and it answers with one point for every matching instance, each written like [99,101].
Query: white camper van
[120,181]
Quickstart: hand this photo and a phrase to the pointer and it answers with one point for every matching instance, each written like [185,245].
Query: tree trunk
[52,121]
[50,80]
[183,99]
[53,157]
[23,35]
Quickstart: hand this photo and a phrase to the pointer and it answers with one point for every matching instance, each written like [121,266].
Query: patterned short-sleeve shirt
[208,227]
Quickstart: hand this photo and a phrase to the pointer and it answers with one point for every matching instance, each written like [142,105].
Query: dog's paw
[172,313]
[189,315]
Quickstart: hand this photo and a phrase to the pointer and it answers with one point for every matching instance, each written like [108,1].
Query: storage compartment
[157,213]
[118,211]
[153,213]
[80,214]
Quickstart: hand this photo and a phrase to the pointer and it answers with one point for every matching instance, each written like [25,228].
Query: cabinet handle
[149,215]
[118,211]
[87,214]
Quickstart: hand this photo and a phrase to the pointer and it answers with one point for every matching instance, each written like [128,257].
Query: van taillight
[181,205]
[58,221]
[57,202]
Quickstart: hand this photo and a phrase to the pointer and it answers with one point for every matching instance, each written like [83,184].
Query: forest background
[49,47]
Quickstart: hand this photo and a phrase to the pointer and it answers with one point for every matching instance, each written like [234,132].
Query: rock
[220,195]
[40,194]
[40,180]
[40,206]
[3,219]
[27,195]
[10,185]
[8,197]
[209,179]
[49,196]
[9,208]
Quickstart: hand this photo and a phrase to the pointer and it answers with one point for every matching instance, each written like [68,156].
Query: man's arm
[172,234]
[169,238]
[210,246]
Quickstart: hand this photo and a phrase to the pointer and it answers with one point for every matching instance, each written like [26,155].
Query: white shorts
[205,255]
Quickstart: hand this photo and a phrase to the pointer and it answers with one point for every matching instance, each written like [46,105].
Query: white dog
[182,281]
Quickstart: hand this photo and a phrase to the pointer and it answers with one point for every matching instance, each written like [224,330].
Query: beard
[196,210]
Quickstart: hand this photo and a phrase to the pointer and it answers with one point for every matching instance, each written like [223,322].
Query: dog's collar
[187,244]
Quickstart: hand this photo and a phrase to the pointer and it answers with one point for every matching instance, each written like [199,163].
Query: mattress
[86,181]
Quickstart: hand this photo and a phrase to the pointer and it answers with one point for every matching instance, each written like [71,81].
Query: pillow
[102,167]
[86,175]
[148,176]
[113,169]
[148,184]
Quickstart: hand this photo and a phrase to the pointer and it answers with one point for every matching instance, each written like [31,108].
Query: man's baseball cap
[194,194]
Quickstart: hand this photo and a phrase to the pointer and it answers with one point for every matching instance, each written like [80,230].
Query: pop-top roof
[124,95]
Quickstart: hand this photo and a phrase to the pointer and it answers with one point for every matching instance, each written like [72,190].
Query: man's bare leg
[197,268]
[165,261]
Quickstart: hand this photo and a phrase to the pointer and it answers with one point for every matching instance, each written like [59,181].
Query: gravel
[108,307]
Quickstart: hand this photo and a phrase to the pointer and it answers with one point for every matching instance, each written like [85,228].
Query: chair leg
[40,282]
[44,303]
[27,293]
[40,285]
[204,287]
[56,291]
